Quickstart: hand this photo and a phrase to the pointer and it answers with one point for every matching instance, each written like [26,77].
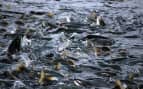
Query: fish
[42,77]
[58,66]
[100,40]
[93,16]
[100,21]
[20,67]
[119,85]
[14,46]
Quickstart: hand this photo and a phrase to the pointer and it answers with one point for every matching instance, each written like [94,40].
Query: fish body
[14,46]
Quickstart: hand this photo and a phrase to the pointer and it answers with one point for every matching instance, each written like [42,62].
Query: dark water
[62,36]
